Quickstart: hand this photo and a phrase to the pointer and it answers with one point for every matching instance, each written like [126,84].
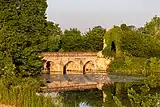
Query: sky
[85,14]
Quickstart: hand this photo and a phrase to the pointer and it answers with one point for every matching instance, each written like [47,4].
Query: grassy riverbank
[22,93]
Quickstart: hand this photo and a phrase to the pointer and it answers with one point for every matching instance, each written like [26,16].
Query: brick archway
[89,67]
[70,67]
[48,66]
[53,66]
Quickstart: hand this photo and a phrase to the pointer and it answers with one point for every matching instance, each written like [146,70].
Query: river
[101,98]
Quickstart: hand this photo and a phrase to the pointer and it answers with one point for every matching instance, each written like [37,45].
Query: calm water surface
[95,97]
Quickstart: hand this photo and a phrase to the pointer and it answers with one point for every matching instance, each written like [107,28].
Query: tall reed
[23,95]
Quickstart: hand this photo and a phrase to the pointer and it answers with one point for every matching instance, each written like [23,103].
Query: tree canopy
[153,27]
[141,42]
[73,40]
[22,35]
[94,38]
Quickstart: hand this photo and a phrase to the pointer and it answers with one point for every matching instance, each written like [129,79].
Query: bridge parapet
[69,54]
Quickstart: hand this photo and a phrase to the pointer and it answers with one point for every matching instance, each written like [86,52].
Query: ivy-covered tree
[113,41]
[23,35]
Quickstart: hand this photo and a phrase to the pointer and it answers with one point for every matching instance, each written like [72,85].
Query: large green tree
[54,33]
[153,27]
[138,43]
[23,35]
[94,39]
[71,40]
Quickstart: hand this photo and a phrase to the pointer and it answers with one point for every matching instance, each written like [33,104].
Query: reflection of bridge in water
[77,78]
[70,82]
[75,81]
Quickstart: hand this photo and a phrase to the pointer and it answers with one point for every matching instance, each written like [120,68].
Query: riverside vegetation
[25,33]
[137,52]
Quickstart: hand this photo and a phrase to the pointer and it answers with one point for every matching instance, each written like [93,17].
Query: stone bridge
[74,63]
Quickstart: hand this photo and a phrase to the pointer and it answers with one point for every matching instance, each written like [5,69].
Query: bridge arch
[88,67]
[47,66]
[70,67]
[50,66]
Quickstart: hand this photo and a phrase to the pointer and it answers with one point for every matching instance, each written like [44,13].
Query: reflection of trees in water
[92,98]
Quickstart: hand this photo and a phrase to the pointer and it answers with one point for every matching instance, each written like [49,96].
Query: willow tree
[23,35]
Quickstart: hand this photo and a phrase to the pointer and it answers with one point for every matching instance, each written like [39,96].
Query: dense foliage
[53,37]
[141,42]
[140,98]
[136,66]
[22,35]
[112,40]
[93,39]
[72,40]
[137,52]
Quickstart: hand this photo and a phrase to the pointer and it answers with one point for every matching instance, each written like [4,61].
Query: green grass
[22,95]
